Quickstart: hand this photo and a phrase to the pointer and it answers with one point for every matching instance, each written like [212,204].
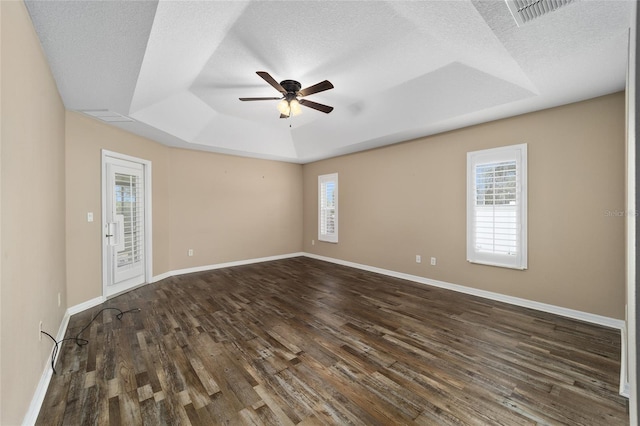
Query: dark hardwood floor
[300,341]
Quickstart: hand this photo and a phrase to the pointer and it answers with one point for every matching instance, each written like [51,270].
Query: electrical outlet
[40,332]
[418,258]
[433,261]
[313,242]
[59,300]
[190,252]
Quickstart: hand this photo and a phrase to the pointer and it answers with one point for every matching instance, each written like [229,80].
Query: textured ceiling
[400,69]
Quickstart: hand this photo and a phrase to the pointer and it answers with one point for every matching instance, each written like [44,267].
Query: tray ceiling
[401,70]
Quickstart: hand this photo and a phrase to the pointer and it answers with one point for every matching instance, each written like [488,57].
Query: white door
[124,225]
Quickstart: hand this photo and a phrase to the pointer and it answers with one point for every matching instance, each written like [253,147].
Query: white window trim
[496,155]
[323,236]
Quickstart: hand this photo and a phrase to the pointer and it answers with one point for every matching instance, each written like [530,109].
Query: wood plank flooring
[300,341]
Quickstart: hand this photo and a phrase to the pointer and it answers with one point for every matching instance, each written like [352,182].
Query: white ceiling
[401,69]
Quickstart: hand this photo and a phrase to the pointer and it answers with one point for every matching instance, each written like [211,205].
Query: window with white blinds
[129,198]
[328,208]
[497,206]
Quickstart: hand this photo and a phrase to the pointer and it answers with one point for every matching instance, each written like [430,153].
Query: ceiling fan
[289,101]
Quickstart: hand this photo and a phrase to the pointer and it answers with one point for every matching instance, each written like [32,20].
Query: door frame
[629,360]
[148,237]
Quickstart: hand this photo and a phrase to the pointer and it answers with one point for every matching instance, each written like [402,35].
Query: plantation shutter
[496,202]
[328,208]
[129,199]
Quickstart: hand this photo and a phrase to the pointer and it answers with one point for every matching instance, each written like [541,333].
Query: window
[328,208]
[497,206]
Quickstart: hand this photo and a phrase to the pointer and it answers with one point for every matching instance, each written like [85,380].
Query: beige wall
[33,211]
[85,139]
[409,199]
[395,202]
[225,208]
[229,208]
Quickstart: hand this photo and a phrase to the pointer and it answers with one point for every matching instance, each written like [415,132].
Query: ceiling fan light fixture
[294,105]
[284,107]
[289,107]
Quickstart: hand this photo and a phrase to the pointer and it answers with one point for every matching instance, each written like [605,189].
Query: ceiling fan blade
[265,75]
[259,99]
[320,107]
[320,87]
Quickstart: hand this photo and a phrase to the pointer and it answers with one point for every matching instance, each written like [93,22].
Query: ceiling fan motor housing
[291,86]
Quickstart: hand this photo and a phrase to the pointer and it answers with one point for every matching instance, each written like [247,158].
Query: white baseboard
[525,303]
[624,382]
[624,389]
[85,305]
[38,397]
[41,390]
[224,265]
[161,277]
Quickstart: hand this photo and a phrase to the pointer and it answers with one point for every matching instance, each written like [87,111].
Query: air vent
[524,11]
[106,115]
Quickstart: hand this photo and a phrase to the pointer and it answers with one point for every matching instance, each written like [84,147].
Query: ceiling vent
[524,11]
[106,115]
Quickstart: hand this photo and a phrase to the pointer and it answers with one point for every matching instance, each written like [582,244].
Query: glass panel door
[125,226]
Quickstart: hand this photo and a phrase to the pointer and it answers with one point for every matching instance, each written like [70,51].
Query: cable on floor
[79,341]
